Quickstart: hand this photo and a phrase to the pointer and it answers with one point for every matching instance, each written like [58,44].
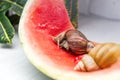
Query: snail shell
[101,56]
[73,40]
[105,54]
[86,64]
[77,42]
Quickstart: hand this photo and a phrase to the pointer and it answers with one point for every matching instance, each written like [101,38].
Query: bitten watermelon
[40,21]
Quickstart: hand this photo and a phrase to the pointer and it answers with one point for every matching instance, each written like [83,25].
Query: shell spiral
[105,54]
[101,56]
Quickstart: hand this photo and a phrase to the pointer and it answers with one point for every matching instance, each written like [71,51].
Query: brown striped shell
[75,41]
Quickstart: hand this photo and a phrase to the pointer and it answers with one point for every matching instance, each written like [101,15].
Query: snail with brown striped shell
[74,41]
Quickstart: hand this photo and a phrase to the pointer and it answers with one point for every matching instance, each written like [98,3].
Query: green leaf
[4,6]
[72,7]
[18,8]
[6,29]
[16,5]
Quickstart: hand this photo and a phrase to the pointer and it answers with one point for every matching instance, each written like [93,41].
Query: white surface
[84,6]
[105,8]
[99,29]
[15,66]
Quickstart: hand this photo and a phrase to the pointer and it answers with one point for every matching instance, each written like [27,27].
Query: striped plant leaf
[72,7]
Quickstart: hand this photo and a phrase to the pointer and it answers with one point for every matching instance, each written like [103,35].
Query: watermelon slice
[40,21]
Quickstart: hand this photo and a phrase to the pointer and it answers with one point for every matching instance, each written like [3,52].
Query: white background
[105,8]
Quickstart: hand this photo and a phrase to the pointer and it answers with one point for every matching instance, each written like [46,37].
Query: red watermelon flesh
[41,20]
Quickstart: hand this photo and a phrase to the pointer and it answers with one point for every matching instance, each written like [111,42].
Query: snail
[74,41]
[100,57]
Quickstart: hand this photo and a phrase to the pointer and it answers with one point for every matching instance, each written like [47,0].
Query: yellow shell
[101,56]
[86,64]
[105,54]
